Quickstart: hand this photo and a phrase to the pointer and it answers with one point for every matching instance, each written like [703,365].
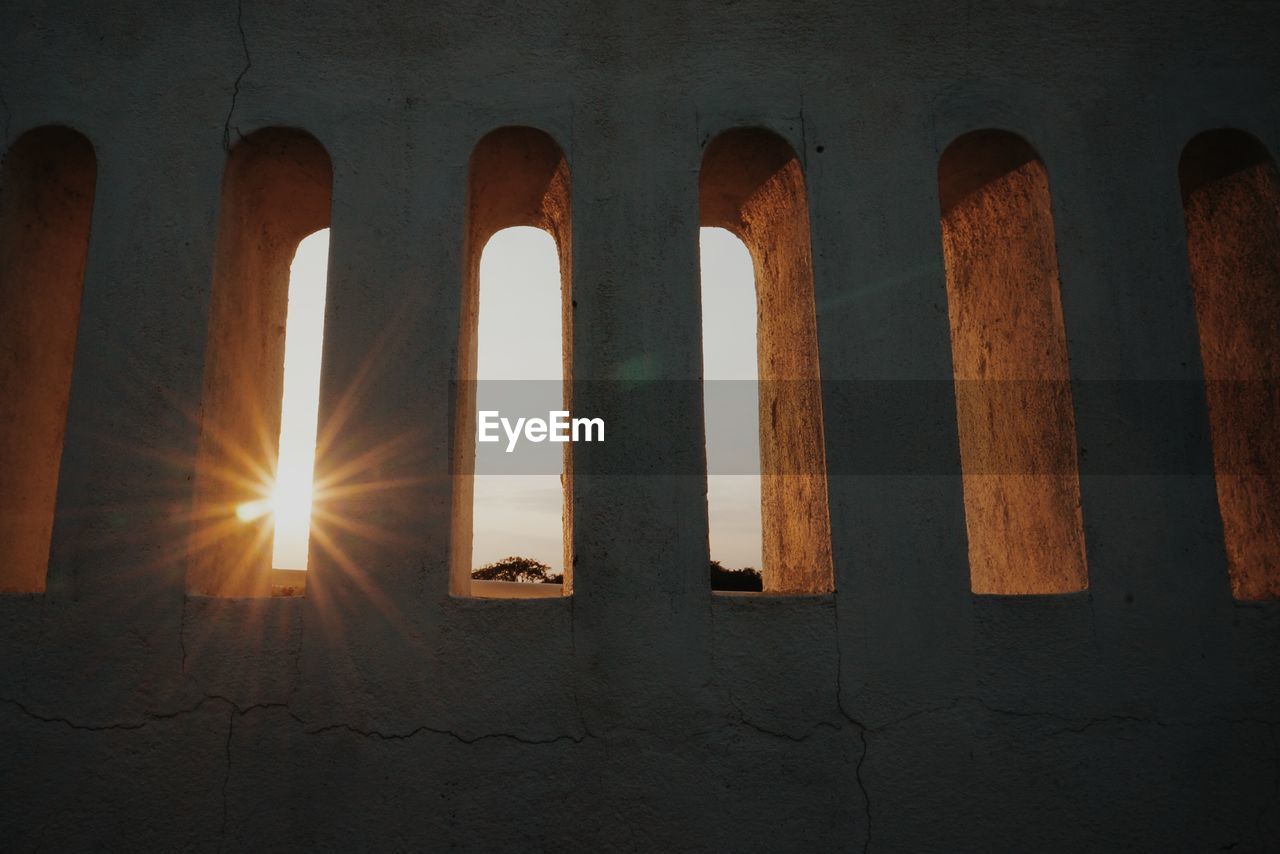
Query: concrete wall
[901,713]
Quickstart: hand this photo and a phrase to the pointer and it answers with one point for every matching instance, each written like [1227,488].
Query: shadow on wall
[1231,201]
[46,204]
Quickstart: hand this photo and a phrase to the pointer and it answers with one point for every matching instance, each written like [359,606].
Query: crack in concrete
[235,88]
[1073,726]
[423,728]
[226,779]
[240,711]
[862,728]
[573,655]
[48,719]
[862,786]
[1079,725]
[146,719]
[743,720]
[752,725]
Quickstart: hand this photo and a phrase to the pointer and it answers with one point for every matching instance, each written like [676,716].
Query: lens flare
[290,497]
[251,510]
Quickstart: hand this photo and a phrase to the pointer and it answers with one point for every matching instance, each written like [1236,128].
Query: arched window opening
[512,532]
[1012,380]
[732,405]
[1231,200]
[751,185]
[518,516]
[257,439]
[46,206]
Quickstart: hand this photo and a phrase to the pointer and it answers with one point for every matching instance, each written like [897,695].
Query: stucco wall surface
[901,712]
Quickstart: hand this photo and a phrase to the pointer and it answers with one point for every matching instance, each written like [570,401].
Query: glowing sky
[519,339]
[729,353]
[303,344]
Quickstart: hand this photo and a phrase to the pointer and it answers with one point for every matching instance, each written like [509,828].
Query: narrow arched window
[252,489]
[46,205]
[1012,380]
[751,185]
[1231,200]
[512,530]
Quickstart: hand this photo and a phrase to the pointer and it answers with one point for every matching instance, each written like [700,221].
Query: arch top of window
[752,185]
[518,176]
[976,159]
[281,179]
[1219,153]
[273,141]
[747,175]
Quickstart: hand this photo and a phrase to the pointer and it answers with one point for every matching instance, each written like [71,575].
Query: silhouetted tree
[735,579]
[514,568]
[530,571]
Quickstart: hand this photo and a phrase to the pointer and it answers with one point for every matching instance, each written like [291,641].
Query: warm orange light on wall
[276,195]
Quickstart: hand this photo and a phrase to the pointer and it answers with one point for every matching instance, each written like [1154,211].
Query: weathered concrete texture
[899,712]
[1013,391]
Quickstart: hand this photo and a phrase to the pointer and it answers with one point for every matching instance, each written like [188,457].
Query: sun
[289,499]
